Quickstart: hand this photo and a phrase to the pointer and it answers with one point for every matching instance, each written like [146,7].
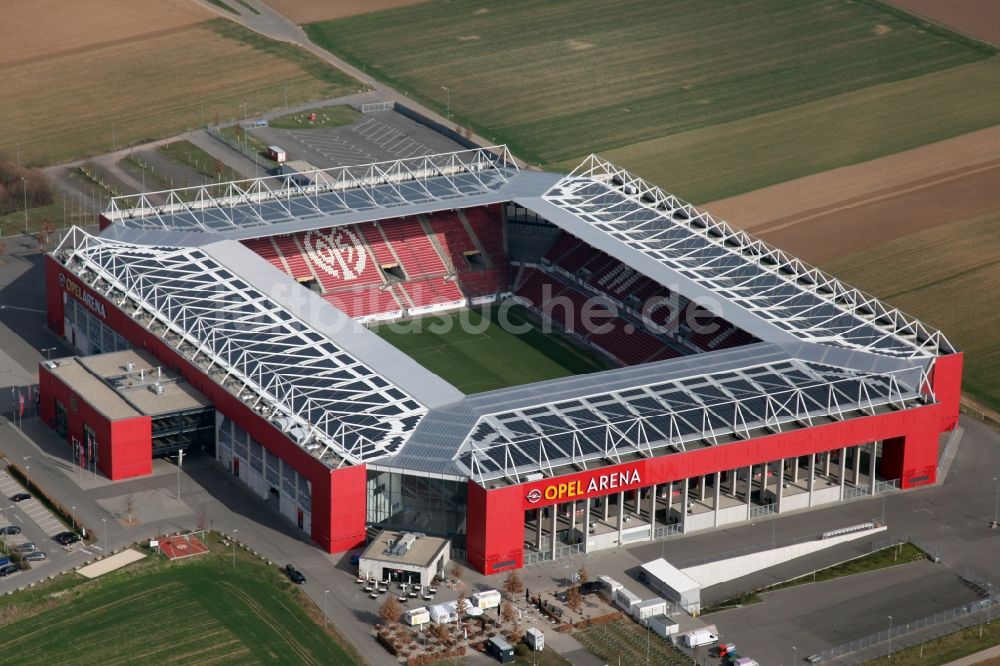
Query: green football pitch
[204,610]
[477,354]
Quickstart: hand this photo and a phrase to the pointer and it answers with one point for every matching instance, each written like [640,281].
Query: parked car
[24,548]
[8,569]
[4,561]
[10,529]
[294,574]
[20,497]
[35,556]
[66,538]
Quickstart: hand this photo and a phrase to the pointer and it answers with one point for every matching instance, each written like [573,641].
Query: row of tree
[18,183]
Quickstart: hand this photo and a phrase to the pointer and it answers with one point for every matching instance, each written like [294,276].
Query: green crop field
[483,356]
[559,80]
[946,276]
[200,611]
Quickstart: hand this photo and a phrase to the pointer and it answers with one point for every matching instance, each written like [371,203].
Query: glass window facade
[432,506]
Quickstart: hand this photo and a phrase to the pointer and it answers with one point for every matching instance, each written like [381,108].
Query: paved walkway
[978,658]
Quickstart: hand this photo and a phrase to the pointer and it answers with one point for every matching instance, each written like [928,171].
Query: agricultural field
[167,67]
[200,611]
[668,88]
[485,356]
[948,276]
[307,11]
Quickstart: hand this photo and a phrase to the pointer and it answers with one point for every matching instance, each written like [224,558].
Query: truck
[276,154]
[699,637]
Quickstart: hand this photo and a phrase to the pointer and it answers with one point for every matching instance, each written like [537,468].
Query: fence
[372,107]
[850,492]
[901,636]
[545,555]
[215,132]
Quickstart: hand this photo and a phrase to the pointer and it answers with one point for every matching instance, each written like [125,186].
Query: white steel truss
[275,199]
[767,282]
[700,410]
[327,401]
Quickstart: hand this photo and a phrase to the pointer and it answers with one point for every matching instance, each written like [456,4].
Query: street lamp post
[326,617]
[795,655]
[73,516]
[27,470]
[24,190]
[234,549]
[890,638]
[996,507]
[106,547]
[448,103]
[989,606]
[48,352]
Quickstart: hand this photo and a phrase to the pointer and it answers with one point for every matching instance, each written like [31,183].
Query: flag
[20,403]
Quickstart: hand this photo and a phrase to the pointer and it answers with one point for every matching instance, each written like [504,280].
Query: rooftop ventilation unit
[403,545]
[156,388]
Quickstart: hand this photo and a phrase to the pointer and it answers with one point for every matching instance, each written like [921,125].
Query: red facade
[334,528]
[124,446]
[910,448]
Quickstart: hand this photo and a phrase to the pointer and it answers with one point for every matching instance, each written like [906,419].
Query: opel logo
[534,495]
[62,279]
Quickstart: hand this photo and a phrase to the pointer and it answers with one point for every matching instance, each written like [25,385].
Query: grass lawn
[947,649]
[487,357]
[185,152]
[946,276]
[328,116]
[626,640]
[200,611]
[557,81]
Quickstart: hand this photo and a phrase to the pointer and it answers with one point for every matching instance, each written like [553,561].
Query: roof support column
[652,511]
[749,488]
[826,463]
[795,471]
[555,523]
[684,504]
[702,481]
[538,529]
[732,482]
[586,525]
[843,471]
[871,467]
[606,502]
[572,522]
[621,516]
[718,479]
[857,464]
[780,490]
[670,500]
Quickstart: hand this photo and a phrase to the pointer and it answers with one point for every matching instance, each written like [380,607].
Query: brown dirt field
[978,18]
[153,91]
[839,212]
[308,11]
[45,29]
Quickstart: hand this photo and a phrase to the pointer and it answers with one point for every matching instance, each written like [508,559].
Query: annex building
[742,381]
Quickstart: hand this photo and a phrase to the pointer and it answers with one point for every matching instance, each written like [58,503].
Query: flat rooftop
[121,385]
[421,554]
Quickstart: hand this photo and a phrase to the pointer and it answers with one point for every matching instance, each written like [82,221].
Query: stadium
[343,341]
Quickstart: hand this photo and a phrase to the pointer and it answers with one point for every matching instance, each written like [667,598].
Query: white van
[700,637]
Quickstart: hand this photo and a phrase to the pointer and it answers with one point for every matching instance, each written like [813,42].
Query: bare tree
[582,575]
[508,613]
[130,506]
[573,599]
[512,584]
[460,605]
[390,610]
[443,634]
[456,571]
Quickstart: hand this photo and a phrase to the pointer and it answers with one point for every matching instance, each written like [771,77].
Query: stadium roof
[758,287]
[280,358]
[249,208]
[647,410]
[339,391]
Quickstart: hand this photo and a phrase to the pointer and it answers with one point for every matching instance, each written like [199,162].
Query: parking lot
[38,526]
[373,137]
